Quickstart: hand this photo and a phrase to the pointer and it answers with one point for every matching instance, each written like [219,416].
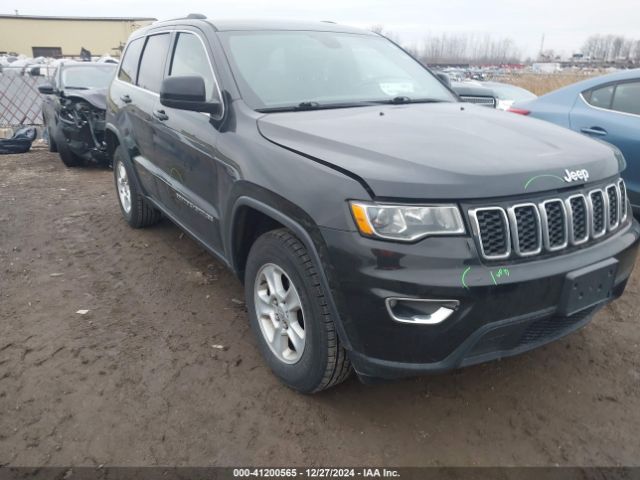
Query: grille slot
[578,219]
[529,228]
[614,206]
[493,230]
[555,224]
[525,228]
[623,200]
[598,212]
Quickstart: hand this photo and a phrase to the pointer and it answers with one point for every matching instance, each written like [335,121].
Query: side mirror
[444,78]
[46,89]
[187,93]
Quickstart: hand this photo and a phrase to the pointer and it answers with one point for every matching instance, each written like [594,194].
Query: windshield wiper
[76,88]
[312,105]
[308,106]
[302,106]
[403,99]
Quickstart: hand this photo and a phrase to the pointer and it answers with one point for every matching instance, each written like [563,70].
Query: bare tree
[468,48]
[610,48]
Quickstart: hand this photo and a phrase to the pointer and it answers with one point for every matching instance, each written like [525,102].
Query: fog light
[420,311]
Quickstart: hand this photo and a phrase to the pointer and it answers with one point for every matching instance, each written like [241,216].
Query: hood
[97,97]
[443,150]
[470,89]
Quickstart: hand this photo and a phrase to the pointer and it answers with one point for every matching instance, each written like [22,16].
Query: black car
[377,223]
[73,111]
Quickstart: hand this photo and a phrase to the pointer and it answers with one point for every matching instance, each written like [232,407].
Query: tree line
[609,48]
[459,48]
[472,48]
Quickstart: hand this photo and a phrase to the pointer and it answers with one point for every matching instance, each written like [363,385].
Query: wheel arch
[266,218]
[114,140]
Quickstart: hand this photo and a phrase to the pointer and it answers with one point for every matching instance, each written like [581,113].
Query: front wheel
[69,158]
[53,147]
[289,315]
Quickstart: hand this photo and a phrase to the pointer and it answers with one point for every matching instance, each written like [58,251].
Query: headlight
[406,222]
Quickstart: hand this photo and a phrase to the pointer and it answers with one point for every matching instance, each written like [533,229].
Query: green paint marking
[526,185]
[502,272]
[464,274]
[493,278]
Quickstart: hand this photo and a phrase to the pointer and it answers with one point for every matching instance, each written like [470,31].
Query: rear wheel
[290,316]
[135,208]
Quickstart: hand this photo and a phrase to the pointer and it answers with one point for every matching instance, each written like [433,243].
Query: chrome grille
[483,101]
[529,229]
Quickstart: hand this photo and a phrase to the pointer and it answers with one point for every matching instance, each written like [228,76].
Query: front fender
[313,248]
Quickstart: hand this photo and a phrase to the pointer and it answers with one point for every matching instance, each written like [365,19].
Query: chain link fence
[20,101]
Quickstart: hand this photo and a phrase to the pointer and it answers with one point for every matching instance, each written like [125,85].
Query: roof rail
[196,16]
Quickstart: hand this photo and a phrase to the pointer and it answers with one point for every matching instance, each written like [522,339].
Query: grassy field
[541,84]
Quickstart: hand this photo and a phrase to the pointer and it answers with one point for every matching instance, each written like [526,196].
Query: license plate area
[588,286]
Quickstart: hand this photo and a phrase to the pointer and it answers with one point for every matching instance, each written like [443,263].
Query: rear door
[612,113]
[151,72]
[135,92]
[186,151]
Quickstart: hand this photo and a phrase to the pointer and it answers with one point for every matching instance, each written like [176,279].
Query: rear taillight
[520,111]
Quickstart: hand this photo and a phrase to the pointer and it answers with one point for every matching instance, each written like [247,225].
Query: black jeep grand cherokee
[377,223]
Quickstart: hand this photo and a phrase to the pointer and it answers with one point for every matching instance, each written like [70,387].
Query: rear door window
[190,58]
[151,71]
[627,98]
[129,65]
[600,97]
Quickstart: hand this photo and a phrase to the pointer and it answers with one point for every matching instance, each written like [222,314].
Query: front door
[185,147]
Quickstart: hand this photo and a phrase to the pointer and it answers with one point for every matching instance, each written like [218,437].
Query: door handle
[161,115]
[125,98]
[594,131]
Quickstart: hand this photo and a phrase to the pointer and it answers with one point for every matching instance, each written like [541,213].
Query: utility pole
[541,47]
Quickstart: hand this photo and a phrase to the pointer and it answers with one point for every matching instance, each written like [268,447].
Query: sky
[565,24]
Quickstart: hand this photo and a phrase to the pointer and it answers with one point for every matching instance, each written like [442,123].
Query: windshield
[276,69]
[87,77]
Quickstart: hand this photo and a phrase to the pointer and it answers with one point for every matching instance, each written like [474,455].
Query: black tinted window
[129,65]
[190,58]
[600,97]
[627,98]
[152,63]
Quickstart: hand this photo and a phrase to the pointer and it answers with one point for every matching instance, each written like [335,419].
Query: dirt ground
[138,381]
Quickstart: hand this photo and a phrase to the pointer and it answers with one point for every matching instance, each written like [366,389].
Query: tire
[69,158]
[322,362]
[138,212]
[53,146]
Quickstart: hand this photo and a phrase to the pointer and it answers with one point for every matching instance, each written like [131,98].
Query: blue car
[606,108]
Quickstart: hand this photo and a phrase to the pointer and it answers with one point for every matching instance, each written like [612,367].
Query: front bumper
[85,140]
[505,309]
